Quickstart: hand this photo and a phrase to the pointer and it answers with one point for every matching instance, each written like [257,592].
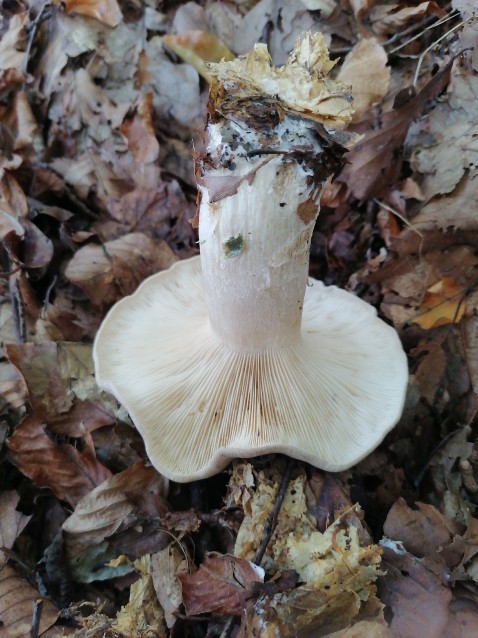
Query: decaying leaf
[442,304]
[389,18]
[110,272]
[365,70]
[336,571]
[220,586]
[68,467]
[106,11]
[449,148]
[167,566]
[116,504]
[17,597]
[197,47]
[374,160]
[12,522]
[142,614]
[138,130]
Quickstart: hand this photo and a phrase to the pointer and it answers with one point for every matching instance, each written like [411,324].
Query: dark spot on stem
[233,246]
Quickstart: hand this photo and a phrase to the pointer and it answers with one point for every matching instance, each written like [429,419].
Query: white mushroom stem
[255,241]
[238,354]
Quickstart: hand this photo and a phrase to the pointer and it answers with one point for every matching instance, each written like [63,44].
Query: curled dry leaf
[162,212]
[12,53]
[116,504]
[107,273]
[38,364]
[373,163]
[391,18]
[12,522]
[449,147]
[418,598]
[220,586]
[454,211]
[142,615]
[166,567]
[70,469]
[423,531]
[106,11]
[442,304]
[17,597]
[197,47]
[138,131]
[177,97]
[365,70]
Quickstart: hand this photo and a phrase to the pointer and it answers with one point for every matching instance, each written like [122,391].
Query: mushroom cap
[328,399]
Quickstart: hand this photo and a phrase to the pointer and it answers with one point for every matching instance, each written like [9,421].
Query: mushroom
[237,352]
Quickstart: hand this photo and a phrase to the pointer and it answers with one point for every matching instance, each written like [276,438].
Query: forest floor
[102,105]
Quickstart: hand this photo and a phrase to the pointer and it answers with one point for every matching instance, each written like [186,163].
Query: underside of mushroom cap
[329,399]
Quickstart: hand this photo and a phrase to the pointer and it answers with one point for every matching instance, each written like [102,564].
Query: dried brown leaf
[12,53]
[138,131]
[452,211]
[12,522]
[418,597]
[110,272]
[17,597]
[391,18]
[157,211]
[423,532]
[374,161]
[447,148]
[166,567]
[38,364]
[470,339]
[70,469]
[114,504]
[220,586]
[142,615]
[365,70]
[106,11]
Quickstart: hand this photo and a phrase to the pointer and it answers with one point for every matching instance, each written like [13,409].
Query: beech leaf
[70,469]
[17,597]
[220,586]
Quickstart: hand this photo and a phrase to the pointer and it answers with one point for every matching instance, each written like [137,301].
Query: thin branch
[271,521]
[432,46]
[453,14]
[37,609]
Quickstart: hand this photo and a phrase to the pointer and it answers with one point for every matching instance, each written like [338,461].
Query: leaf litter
[100,104]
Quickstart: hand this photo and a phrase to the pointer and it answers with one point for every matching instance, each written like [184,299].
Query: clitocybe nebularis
[237,352]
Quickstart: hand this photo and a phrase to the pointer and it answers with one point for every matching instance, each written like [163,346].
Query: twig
[454,14]
[271,521]
[18,309]
[269,528]
[226,632]
[406,222]
[37,609]
[432,46]
[41,17]
[9,273]
[47,297]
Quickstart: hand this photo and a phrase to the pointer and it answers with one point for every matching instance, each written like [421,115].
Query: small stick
[271,521]
[226,632]
[37,609]
[47,298]
[269,528]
